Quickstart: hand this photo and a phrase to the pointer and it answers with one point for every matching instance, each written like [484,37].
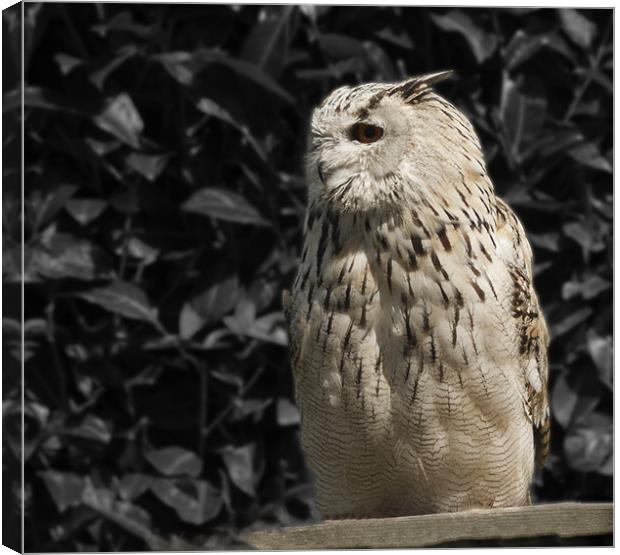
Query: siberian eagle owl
[418,347]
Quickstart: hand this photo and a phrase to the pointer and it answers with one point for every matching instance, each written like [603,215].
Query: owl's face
[380,146]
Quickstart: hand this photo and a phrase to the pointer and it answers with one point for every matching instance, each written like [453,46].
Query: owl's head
[381,145]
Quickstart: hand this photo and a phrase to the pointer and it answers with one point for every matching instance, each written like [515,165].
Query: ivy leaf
[172,461]
[85,210]
[121,118]
[578,27]
[189,321]
[149,166]
[124,298]
[239,462]
[224,205]
[195,502]
[65,488]
[482,44]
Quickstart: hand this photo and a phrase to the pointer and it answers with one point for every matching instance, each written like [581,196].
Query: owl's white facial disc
[348,166]
[420,154]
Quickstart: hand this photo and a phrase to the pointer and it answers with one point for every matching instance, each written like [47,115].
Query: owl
[418,348]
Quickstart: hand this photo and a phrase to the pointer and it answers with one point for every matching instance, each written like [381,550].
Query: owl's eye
[366,133]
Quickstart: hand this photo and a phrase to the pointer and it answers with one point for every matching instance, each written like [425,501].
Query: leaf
[52,204]
[589,445]
[123,21]
[522,115]
[239,462]
[588,154]
[586,235]
[122,298]
[183,66]
[136,248]
[270,328]
[65,488]
[98,77]
[85,210]
[339,47]
[211,108]
[524,46]
[601,350]
[482,44]
[267,43]
[67,63]
[218,299]
[244,317]
[133,485]
[121,119]
[399,39]
[172,461]
[65,256]
[286,413]
[189,322]
[223,205]
[569,322]
[579,28]
[147,165]
[93,428]
[563,400]
[197,503]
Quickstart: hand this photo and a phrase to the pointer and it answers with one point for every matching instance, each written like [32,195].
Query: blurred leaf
[121,119]
[239,462]
[67,63]
[85,210]
[245,315]
[399,39]
[217,299]
[189,321]
[183,66]
[224,205]
[563,400]
[65,256]
[93,428]
[286,413]
[52,204]
[338,47]
[589,155]
[482,44]
[122,298]
[601,351]
[123,21]
[172,461]
[133,485]
[586,235]
[147,165]
[522,115]
[589,445]
[136,248]
[98,78]
[570,321]
[270,328]
[64,487]
[210,108]
[579,28]
[267,43]
[524,46]
[198,502]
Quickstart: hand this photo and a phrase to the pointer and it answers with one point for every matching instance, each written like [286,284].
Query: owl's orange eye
[366,133]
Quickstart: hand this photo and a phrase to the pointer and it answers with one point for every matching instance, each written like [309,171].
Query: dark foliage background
[163,217]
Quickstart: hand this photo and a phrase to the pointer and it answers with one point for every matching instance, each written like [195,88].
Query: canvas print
[291,272]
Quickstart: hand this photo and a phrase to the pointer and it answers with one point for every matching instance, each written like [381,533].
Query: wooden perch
[564,520]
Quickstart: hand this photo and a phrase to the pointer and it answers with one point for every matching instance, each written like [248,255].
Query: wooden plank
[563,520]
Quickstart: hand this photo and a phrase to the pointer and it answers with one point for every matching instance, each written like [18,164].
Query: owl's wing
[533,335]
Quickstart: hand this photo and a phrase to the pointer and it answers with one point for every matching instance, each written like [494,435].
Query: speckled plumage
[418,347]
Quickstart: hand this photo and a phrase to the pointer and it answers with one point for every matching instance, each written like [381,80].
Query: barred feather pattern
[418,347]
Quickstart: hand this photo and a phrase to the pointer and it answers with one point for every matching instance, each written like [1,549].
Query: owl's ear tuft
[412,87]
